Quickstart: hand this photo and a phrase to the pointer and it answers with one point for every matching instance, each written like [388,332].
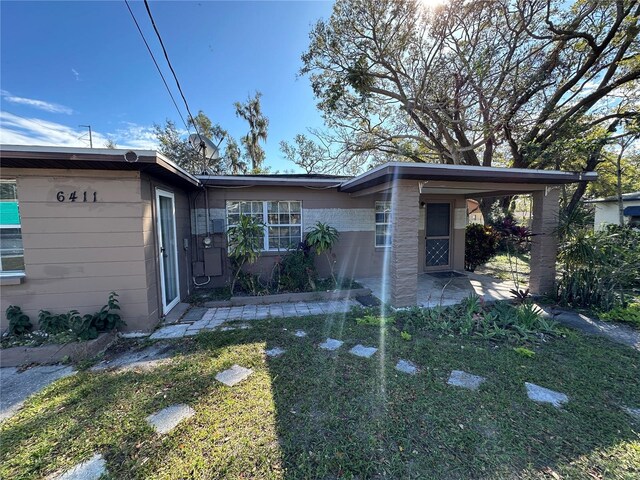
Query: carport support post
[403,268]
[544,242]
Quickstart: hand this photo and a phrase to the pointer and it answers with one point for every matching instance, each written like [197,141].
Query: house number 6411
[73,196]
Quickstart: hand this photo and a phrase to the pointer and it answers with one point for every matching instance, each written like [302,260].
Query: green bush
[244,245]
[322,238]
[53,324]
[473,317]
[19,322]
[629,314]
[481,243]
[598,268]
[296,272]
[83,327]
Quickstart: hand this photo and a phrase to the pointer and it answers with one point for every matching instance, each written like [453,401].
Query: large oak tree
[493,82]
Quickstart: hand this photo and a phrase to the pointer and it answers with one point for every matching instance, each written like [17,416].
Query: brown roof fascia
[461,174]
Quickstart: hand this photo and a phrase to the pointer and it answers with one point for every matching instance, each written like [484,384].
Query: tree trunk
[619,186]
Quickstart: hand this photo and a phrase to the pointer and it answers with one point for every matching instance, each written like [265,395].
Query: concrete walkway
[18,386]
[214,318]
[434,291]
[614,332]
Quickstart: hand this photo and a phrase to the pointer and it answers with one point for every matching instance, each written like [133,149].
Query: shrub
[83,327]
[473,317]
[598,267]
[405,336]
[481,244]
[296,271]
[53,324]
[19,322]
[244,244]
[322,238]
[629,314]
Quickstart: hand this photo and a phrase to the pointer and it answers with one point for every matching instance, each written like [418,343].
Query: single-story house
[607,211]
[89,221]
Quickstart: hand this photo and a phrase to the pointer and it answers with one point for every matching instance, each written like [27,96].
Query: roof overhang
[237,181]
[149,161]
[387,173]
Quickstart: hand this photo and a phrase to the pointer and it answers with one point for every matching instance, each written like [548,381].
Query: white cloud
[39,104]
[18,130]
[75,74]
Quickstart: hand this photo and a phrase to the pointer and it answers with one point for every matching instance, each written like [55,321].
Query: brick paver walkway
[214,318]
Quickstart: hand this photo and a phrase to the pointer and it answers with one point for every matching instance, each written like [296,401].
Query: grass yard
[316,414]
[499,267]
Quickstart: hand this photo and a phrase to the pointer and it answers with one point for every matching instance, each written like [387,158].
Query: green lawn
[500,267]
[316,414]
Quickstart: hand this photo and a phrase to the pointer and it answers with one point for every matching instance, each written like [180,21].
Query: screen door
[438,236]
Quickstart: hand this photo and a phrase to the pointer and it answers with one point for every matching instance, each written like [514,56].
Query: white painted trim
[265,218]
[166,308]
[462,169]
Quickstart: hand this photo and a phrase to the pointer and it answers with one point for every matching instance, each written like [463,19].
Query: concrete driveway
[16,386]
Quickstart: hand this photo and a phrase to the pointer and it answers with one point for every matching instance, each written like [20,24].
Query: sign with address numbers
[76,196]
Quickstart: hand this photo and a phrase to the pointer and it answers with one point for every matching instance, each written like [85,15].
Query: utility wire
[166,56]
[175,104]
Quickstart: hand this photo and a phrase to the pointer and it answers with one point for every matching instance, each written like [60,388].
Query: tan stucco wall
[183,231]
[77,252]
[354,217]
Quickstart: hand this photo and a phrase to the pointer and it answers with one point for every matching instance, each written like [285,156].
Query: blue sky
[65,64]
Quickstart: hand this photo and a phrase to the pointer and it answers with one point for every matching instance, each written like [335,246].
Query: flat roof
[149,161]
[614,198]
[273,180]
[461,173]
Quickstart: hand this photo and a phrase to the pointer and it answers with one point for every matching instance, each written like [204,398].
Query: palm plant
[322,238]
[244,244]
[251,111]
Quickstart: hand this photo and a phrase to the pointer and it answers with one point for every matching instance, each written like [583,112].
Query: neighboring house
[474,212]
[607,211]
[95,220]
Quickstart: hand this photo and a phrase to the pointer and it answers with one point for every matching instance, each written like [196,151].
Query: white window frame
[265,221]
[13,273]
[387,224]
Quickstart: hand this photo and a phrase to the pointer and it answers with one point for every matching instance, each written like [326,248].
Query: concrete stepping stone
[544,395]
[331,344]
[275,352]
[168,418]
[362,351]
[300,333]
[233,375]
[405,366]
[466,380]
[171,331]
[91,469]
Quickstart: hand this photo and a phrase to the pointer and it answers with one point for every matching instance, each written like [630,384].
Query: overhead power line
[175,104]
[166,56]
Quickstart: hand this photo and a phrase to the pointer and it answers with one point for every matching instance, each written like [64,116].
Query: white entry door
[167,249]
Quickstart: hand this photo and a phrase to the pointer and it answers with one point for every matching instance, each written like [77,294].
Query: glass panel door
[438,236]
[167,250]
